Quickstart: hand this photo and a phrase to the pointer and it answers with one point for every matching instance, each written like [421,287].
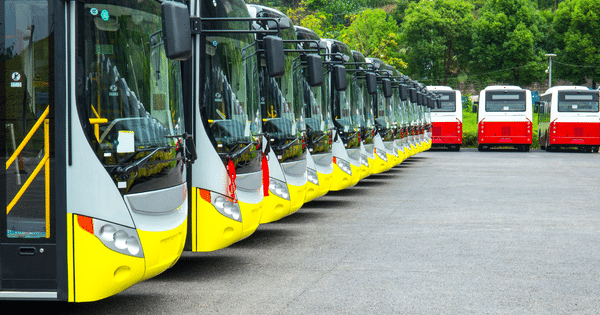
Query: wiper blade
[123,172]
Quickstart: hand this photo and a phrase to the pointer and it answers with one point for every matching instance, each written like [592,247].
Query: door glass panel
[26,102]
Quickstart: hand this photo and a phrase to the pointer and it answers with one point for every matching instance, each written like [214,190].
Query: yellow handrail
[27,138]
[43,162]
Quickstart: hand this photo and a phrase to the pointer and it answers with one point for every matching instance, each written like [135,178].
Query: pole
[550,69]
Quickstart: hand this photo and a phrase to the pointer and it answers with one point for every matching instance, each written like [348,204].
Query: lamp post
[550,69]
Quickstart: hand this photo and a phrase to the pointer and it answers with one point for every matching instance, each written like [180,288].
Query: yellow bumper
[275,207]
[251,214]
[97,272]
[340,179]
[210,229]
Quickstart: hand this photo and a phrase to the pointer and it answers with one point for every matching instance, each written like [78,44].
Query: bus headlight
[344,166]
[227,208]
[311,176]
[364,161]
[279,188]
[381,154]
[119,238]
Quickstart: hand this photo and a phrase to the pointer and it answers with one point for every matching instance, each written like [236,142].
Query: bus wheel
[595,149]
[526,147]
[480,147]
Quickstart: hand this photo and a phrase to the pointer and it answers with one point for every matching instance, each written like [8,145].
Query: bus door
[28,254]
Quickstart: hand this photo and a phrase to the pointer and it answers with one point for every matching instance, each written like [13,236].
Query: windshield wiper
[123,172]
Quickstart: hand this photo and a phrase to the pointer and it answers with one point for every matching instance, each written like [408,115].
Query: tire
[480,147]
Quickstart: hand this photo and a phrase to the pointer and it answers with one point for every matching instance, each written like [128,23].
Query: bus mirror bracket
[475,105]
[314,70]
[177,32]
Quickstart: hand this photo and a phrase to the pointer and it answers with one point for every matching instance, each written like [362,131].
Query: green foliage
[374,34]
[577,32]
[506,41]
[438,35]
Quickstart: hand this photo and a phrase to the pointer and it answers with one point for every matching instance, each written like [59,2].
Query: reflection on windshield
[580,102]
[130,98]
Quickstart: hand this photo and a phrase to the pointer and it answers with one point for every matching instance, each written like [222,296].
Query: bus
[364,86]
[283,125]
[568,116]
[447,120]
[346,133]
[387,156]
[95,148]
[317,112]
[504,118]
[226,189]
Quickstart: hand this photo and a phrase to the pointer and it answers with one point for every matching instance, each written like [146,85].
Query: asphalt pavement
[499,232]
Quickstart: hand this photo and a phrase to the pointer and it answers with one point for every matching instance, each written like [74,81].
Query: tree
[374,34]
[577,31]
[437,34]
[506,40]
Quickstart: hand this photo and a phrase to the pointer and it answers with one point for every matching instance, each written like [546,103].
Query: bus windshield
[578,102]
[230,99]
[448,100]
[129,95]
[505,101]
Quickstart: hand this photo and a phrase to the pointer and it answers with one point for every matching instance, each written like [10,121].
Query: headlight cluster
[226,207]
[344,166]
[381,154]
[311,176]
[121,239]
[279,188]
[364,161]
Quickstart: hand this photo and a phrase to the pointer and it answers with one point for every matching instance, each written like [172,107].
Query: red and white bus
[447,119]
[504,118]
[569,117]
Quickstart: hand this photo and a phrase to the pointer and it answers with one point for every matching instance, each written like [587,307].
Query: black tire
[480,147]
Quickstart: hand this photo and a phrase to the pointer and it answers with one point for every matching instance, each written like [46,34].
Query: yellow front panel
[212,230]
[312,191]
[355,174]
[324,183]
[251,214]
[340,179]
[97,271]
[162,249]
[297,196]
[274,208]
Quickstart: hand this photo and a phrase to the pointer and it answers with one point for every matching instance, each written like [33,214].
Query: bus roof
[503,87]
[564,88]
[439,88]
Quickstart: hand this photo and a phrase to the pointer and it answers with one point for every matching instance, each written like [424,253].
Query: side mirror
[339,78]
[283,23]
[371,79]
[430,102]
[403,92]
[387,88]
[274,56]
[412,92]
[475,105]
[314,70]
[420,98]
[177,31]
[536,107]
[438,103]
